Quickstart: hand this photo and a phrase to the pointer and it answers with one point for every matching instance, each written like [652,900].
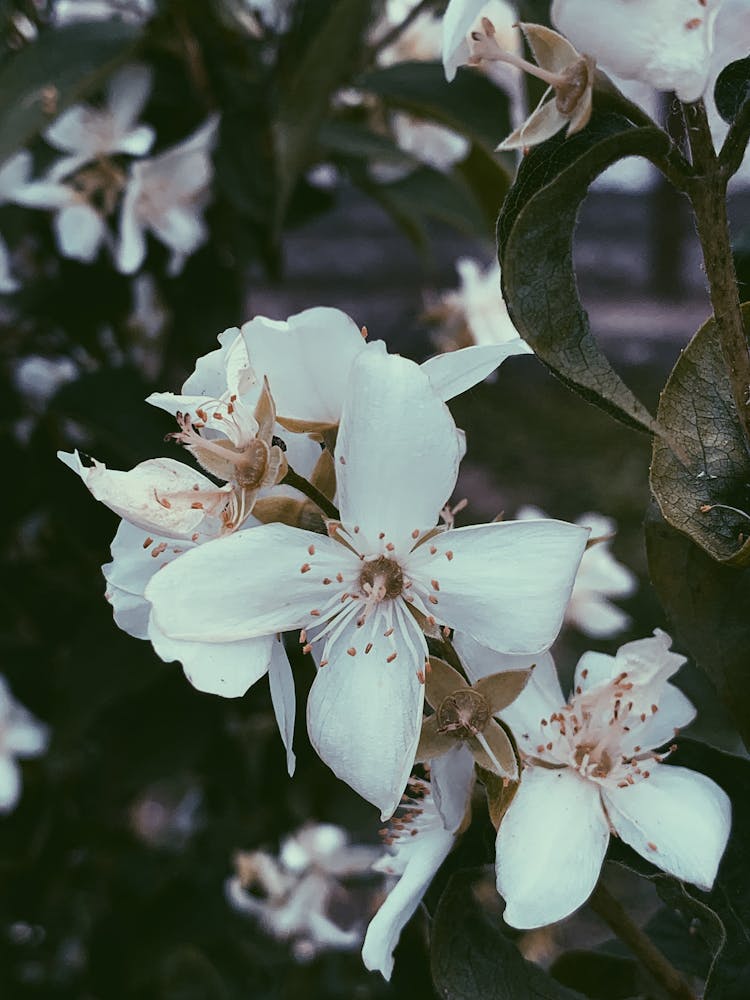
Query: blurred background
[114,862]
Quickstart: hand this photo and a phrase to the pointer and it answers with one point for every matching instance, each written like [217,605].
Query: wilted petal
[541,125]
[157,495]
[397,451]
[364,715]
[456,371]
[307,361]
[451,780]
[246,584]
[677,819]
[227,669]
[281,681]
[550,847]
[506,583]
[550,49]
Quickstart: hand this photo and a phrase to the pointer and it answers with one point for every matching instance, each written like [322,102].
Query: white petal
[10,783]
[45,194]
[550,847]
[675,711]
[595,616]
[157,495]
[397,450]
[307,361]
[594,669]
[14,174]
[179,227]
[451,780]
[80,230]
[248,584]
[136,143]
[458,21]
[666,43]
[506,583]
[676,818]
[539,699]
[228,367]
[127,92]
[456,371]
[228,669]
[364,715]
[71,131]
[402,901]
[8,283]
[131,246]
[25,736]
[281,681]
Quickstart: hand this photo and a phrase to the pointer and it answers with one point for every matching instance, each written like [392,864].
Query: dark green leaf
[472,958]
[61,67]
[350,139]
[705,462]
[305,94]
[707,602]
[732,89]
[488,180]
[598,975]
[535,235]
[471,104]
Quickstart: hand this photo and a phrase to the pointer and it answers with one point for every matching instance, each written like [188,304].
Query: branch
[311,492]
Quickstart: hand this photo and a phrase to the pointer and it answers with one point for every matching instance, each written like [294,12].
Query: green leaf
[535,236]
[705,462]
[472,104]
[597,974]
[62,66]
[472,958]
[488,179]
[732,89]
[305,93]
[351,139]
[707,603]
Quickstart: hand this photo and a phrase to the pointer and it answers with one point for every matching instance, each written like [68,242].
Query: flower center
[381,579]
[465,712]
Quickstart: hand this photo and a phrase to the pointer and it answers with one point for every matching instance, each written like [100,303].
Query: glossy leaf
[535,237]
[707,603]
[705,464]
[732,89]
[473,958]
[61,67]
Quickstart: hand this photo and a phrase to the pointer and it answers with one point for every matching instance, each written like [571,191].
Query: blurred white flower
[296,896]
[420,41]
[666,43]
[384,570]
[38,378]
[167,195]
[418,843]
[73,11]
[14,177]
[434,145]
[85,133]
[600,576]
[21,736]
[80,228]
[592,767]
[476,312]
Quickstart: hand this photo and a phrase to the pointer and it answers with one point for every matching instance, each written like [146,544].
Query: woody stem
[311,492]
[614,915]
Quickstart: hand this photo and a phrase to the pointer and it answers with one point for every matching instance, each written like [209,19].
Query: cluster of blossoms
[322,511]
[104,170]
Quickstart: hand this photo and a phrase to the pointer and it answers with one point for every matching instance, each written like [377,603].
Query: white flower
[417,846]
[308,362]
[14,176]
[434,145]
[420,41]
[600,576]
[73,11]
[292,896]
[666,43]
[80,228]
[21,735]
[464,16]
[384,569]
[85,133]
[591,767]
[167,194]
[477,312]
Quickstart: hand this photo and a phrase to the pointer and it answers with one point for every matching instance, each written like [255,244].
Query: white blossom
[21,736]
[14,177]
[384,569]
[464,16]
[600,576]
[592,767]
[417,845]
[167,195]
[85,133]
[291,895]
[666,43]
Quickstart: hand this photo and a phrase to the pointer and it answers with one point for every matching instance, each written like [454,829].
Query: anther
[315,613]
[311,550]
[388,633]
[326,580]
[352,651]
[435,585]
[415,533]
[340,577]
[390,546]
[391,658]
[449,555]
[196,505]
[305,568]
[368,647]
[433,550]
[307,648]
[148,541]
[432,599]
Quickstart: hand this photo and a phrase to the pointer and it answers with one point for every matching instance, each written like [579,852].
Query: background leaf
[473,958]
[707,603]
[712,464]
[535,238]
[72,61]
[732,89]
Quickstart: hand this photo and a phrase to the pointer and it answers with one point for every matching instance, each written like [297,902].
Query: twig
[614,915]
[311,492]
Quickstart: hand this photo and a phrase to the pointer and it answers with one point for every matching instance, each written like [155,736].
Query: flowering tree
[300,520]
